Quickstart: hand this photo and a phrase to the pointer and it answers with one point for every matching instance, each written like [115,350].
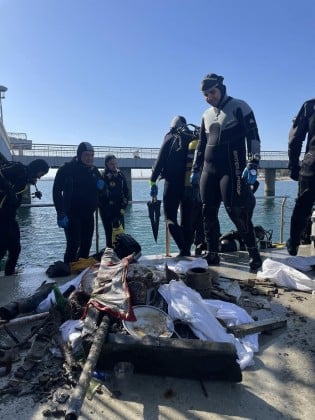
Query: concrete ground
[279,386]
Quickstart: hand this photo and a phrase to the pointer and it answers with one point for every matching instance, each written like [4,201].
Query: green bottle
[61,301]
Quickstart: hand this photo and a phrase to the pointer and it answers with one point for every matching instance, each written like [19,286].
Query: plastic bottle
[101,375]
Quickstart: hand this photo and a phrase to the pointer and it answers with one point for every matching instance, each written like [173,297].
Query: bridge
[23,150]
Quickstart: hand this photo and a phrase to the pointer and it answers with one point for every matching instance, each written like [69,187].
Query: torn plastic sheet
[285,276]
[188,306]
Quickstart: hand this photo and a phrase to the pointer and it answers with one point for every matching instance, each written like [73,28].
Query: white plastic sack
[285,276]
[233,314]
[71,333]
[187,305]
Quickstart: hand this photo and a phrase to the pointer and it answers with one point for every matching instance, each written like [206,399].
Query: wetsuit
[13,181]
[113,201]
[75,195]
[171,164]
[228,140]
[192,202]
[303,125]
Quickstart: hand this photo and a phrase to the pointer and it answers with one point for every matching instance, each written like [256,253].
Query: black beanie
[211,81]
[178,122]
[84,147]
[36,166]
[108,158]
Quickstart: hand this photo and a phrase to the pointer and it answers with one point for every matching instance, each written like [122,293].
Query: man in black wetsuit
[303,124]
[114,198]
[228,153]
[14,178]
[75,194]
[173,164]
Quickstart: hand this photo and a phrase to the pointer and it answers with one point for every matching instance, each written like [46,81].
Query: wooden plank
[257,326]
[183,358]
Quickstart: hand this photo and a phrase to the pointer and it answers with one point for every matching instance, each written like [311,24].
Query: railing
[53,150]
[167,234]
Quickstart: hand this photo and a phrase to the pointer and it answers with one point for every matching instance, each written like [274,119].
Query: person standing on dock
[113,199]
[225,164]
[75,195]
[303,124]
[14,179]
[174,165]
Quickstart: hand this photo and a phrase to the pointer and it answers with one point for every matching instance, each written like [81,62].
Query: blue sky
[115,72]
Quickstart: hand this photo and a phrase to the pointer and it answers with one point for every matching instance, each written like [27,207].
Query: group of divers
[202,167]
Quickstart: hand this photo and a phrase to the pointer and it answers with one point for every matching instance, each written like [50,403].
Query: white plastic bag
[285,276]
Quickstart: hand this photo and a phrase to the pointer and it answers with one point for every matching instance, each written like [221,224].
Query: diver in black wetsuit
[75,194]
[228,153]
[14,178]
[114,198]
[303,124]
[173,164]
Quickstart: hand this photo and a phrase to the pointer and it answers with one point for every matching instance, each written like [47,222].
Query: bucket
[200,278]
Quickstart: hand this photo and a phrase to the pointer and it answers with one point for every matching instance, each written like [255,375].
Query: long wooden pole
[81,388]
[23,320]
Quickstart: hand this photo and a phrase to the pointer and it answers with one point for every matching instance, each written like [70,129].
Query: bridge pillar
[270,182]
[127,173]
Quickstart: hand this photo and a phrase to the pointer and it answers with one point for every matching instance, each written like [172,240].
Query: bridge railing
[51,150]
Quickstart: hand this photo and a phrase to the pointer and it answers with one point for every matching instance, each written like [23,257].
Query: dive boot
[184,253]
[212,258]
[292,249]
[255,261]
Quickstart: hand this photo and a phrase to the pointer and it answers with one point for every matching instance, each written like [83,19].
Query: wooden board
[257,326]
[183,358]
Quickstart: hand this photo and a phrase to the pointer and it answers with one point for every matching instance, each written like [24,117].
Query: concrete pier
[270,182]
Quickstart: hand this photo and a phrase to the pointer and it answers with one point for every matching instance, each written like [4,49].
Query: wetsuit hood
[35,167]
[211,81]
[178,121]
[84,147]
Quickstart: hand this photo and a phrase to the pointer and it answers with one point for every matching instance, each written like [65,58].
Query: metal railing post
[97,237]
[282,219]
[167,241]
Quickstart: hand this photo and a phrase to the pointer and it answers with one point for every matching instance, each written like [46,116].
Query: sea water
[43,242]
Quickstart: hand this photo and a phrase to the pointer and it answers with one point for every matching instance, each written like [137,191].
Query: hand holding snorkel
[153,189]
[37,194]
